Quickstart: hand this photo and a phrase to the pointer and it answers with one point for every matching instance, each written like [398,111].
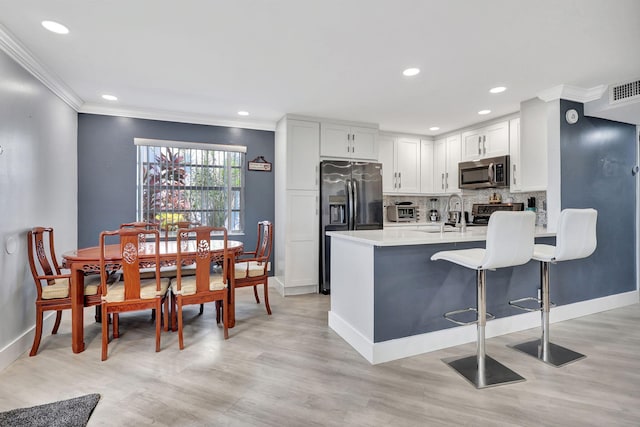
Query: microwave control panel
[499,172]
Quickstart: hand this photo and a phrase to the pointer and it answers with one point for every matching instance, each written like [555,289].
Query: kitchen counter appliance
[482,211]
[350,199]
[402,212]
[492,172]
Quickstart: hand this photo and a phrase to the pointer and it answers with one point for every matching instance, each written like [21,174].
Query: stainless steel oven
[491,172]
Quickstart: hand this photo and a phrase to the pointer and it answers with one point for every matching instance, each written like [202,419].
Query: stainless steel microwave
[492,172]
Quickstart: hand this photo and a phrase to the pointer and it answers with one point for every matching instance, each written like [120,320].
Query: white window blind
[196,182]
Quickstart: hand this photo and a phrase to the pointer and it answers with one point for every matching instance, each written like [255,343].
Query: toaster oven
[399,213]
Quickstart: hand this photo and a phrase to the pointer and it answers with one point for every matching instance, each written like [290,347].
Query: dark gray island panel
[411,292]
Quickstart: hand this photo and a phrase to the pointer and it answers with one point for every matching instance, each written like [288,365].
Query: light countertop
[424,234]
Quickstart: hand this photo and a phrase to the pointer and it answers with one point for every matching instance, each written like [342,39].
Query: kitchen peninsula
[388,298]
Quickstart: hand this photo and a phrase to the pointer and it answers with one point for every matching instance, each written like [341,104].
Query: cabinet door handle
[484,144]
[446,185]
[479,141]
[442,185]
[317,175]
[399,180]
[514,174]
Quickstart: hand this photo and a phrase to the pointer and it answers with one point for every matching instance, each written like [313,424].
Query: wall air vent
[624,92]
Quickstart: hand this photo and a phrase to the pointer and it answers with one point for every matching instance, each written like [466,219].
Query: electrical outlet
[539,293]
[269,266]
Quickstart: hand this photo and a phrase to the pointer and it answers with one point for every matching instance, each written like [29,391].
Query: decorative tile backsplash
[470,198]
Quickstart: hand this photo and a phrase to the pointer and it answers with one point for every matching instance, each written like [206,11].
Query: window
[196,182]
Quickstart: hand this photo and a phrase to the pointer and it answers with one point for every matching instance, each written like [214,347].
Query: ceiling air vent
[624,92]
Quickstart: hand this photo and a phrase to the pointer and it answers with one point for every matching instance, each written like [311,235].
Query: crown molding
[572,93]
[24,58]
[170,116]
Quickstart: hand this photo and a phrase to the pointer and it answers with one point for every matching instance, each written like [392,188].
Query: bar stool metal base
[555,355]
[495,373]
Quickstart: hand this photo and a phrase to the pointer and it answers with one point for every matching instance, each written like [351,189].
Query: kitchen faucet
[463,223]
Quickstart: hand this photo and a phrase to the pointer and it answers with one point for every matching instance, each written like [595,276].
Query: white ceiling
[203,60]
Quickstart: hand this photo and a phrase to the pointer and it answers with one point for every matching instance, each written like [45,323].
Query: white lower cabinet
[299,254]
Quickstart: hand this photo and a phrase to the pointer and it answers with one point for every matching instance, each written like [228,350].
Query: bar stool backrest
[510,239]
[576,237]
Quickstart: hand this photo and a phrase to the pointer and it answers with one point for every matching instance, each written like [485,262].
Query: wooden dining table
[87,261]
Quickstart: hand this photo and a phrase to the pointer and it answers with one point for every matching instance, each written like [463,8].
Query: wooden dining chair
[52,287]
[252,267]
[193,249]
[132,293]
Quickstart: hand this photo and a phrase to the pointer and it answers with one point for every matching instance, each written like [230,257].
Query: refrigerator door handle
[355,204]
[350,203]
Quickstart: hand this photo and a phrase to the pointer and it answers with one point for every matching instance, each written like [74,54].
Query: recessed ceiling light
[110,97]
[434,128]
[55,27]
[483,112]
[410,72]
[243,113]
[497,89]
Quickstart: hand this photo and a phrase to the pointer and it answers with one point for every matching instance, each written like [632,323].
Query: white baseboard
[424,343]
[12,351]
[284,290]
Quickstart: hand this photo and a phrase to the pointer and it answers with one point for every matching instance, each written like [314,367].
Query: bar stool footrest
[556,355]
[495,372]
[448,316]
[516,304]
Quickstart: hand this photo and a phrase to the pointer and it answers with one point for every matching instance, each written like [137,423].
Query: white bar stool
[575,239]
[510,239]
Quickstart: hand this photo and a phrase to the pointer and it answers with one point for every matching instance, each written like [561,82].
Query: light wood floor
[290,369]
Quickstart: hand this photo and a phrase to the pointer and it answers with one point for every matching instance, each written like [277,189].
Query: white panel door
[472,143]
[386,156]
[426,167]
[408,164]
[364,143]
[301,265]
[439,165]
[497,140]
[303,144]
[453,158]
[514,155]
[335,140]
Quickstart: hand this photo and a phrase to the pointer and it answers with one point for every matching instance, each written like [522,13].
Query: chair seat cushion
[469,258]
[60,288]
[115,292]
[168,272]
[545,253]
[188,284]
[249,269]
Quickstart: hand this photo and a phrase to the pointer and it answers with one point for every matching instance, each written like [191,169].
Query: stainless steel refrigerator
[350,199]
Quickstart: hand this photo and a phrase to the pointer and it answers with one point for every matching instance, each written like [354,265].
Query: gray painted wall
[107,170]
[597,158]
[38,180]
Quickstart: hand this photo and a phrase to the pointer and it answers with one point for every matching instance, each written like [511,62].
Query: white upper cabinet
[446,156]
[302,145]
[529,137]
[400,158]
[514,155]
[352,142]
[426,166]
[484,142]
